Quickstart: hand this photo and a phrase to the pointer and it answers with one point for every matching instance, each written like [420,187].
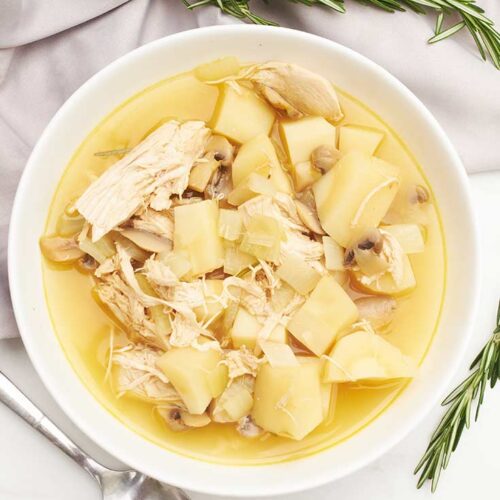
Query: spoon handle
[11,396]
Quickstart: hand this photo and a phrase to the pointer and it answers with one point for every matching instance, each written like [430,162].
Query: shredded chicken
[158,223]
[160,163]
[125,305]
[240,362]
[135,371]
[159,273]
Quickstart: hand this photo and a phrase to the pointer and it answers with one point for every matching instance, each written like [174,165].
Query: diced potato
[242,115]
[304,175]
[288,400]
[325,313]
[196,232]
[278,335]
[213,308]
[230,224]
[385,285]
[253,185]
[255,153]
[178,262]
[235,402]
[218,69]
[245,330]
[356,138]
[334,254]
[263,238]
[355,195]
[366,356]
[197,375]
[409,236]
[298,274]
[236,260]
[278,354]
[201,174]
[302,137]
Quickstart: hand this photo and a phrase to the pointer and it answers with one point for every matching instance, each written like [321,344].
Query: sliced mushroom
[60,249]
[378,310]
[221,149]
[366,253]
[148,241]
[309,217]
[324,157]
[220,184]
[248,428]
[173,418]
[180,420]
[419,194]
[86,264]
[195,420]
[296,91]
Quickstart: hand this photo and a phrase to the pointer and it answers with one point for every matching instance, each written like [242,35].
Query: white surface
[31,468]
[373,86]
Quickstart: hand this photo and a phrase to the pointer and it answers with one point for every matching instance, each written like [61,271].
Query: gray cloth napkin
[49,48]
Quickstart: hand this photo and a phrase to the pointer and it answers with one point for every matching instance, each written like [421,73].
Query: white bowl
[180,52]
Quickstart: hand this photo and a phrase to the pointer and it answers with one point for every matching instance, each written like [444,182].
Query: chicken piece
[154,222]
[159,273]
[185,330]
[241,362]
[123,302]
[282,208]
[162,162]
[296,90]
[134,370]
[250,295]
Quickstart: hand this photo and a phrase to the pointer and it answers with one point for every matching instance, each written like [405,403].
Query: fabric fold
[48,49]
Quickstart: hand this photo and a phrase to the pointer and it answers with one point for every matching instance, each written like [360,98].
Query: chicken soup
[243,263]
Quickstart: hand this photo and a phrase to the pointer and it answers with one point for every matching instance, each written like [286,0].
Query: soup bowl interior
[177,53]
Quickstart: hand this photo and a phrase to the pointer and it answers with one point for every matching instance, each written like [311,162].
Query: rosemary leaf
[471,16]
[445,439]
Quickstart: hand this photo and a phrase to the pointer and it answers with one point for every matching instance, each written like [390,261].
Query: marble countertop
[31,468]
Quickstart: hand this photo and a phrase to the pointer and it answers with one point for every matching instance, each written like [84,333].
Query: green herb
[471,16]
[113,152]
[445,438]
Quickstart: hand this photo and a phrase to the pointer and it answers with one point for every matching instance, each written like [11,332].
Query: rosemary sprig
[113,152]
[445,438]
[472,17]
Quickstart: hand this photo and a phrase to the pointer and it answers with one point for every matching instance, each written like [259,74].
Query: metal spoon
[115,484]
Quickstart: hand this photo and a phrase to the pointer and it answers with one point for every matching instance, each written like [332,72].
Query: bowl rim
[14,260]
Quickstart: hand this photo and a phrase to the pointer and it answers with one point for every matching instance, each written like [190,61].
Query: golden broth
[83,328]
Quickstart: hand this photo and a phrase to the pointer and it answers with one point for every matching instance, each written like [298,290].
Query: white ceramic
[153,62]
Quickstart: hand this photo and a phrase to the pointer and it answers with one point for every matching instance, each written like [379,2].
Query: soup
[244,264]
